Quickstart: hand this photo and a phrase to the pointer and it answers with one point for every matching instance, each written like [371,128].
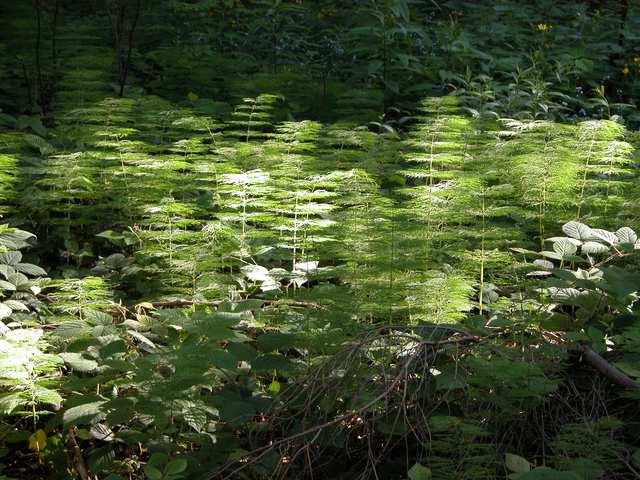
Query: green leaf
[271,362]
[30,269]
[620,282]
[626,235]
[419,472]
[274,387]
[10,401]
[140,337]
[4,285]
[5,311]
[268,342]
[516,463]
[604,235]
[175,467]
[78,362]
[577,230]
[592,247]
[564,248]
[83,414]
[152,473]
[585,468]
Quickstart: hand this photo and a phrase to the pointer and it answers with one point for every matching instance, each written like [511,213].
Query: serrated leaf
[138,336]
[15,305]
[626,235]
[83,414]
[576,242]
[577,230]
[546,264]
[101,432]
[563,294]
[5,311]
[605,235]
[31,269]
[592,247]
[564,248]
[553,255]
[78,362]
[9,402]
[4,285]
[10,258]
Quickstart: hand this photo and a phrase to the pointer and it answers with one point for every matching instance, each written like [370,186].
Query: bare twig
[605,368]
[420,347]
[78,460]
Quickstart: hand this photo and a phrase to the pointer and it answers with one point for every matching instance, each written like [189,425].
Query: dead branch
[178,303]
[258,453]
[78,460]
[594,359]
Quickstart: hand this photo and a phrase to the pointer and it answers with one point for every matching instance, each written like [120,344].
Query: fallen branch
[594,359]
[260,452]
[178,303]
[78,460]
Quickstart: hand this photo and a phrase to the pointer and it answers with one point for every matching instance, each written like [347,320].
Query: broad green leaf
[564,247]
[516,463]
[577,230]
[576,242]
[83,414]
[141,338]
[419,472]
[5,311]
[270,341]
[30,269]
[274,387]
[10,401]
[152,472]
[604,235]
[626,235]
[10,258]
[78,362]
[174,467]
[592,247]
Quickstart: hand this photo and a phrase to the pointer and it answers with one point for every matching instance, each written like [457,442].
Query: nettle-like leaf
[564,247]
[604,235]
[626,235]
[590,247]
[577,230]
[10,258]
[573,241]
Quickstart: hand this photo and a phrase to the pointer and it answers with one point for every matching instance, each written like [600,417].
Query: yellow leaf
[145,305]
[274,387]
[38,440]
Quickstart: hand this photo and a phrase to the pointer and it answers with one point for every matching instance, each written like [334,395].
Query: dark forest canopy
[372,239]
